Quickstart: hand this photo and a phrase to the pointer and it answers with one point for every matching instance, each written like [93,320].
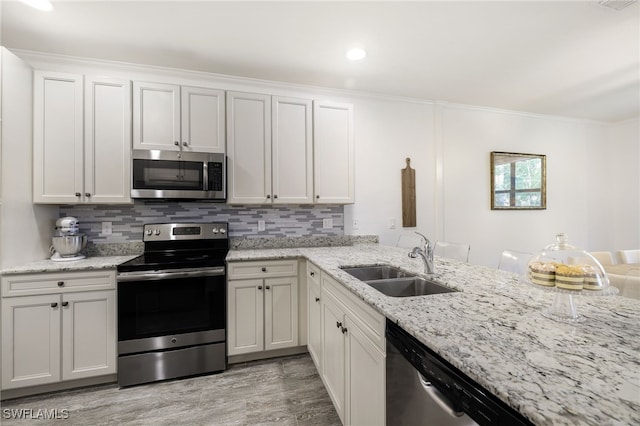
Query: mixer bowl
[69,245]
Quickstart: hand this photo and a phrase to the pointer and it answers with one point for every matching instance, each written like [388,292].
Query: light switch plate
[327,223]
[261,225]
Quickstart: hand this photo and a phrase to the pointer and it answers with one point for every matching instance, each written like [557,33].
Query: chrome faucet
[425,253]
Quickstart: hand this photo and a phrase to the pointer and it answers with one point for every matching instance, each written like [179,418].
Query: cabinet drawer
[58,282]
[264,269]
[371,321]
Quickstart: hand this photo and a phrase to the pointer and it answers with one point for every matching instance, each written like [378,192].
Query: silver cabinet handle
[65,303]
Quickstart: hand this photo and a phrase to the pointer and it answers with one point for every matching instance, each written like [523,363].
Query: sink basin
[376,272]
[394,282]
[409,286]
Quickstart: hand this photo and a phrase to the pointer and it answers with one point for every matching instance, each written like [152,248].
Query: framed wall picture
[518,181]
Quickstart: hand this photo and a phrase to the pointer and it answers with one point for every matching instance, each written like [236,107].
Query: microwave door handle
[205,176]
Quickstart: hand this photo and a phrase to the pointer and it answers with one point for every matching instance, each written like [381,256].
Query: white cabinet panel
[333,353]
[292,151]
[281,313]
[58,138]
[249,148]
[203,119]
[245,316]
[30,341]
[314,324]
[333,152]
[107,140]
[88,334]
[156,116]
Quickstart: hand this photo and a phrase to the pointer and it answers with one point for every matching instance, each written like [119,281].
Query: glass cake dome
[567,271]
[566,267]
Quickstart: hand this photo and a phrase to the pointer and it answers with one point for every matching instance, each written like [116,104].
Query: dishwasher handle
[438,397]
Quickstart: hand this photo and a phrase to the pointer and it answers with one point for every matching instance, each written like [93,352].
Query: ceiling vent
[617,4]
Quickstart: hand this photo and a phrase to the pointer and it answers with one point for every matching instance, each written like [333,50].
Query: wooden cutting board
[408,196]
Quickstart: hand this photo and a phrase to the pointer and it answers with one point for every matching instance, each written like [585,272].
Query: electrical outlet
[392,223]
[327,223]
[355,223]
[107,228]
[261,225]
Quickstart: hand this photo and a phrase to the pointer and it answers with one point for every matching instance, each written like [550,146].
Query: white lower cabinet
[262,306]
[314,324]
[59,336]
[353,355]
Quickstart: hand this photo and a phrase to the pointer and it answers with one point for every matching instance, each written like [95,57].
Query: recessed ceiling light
[39,4]
[356,54]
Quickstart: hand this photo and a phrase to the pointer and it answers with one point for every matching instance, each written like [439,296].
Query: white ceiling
[568,58]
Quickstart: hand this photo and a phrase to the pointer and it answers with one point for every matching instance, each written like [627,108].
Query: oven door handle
[163,275]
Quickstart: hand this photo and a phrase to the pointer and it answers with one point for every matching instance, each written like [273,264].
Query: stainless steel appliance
[67,241]
[424,389]
[172,304]
[179,175]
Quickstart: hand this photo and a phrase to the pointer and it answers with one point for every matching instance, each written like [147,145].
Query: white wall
[25,228]
[592,177]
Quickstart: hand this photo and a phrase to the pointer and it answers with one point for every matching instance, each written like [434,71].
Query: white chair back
[514,261]
[449,250]
[604,257]
[631,284]
[628,256]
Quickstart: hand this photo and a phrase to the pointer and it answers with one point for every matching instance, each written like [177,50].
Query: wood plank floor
[282,391]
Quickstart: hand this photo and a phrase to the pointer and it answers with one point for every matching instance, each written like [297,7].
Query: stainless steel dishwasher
[423,389]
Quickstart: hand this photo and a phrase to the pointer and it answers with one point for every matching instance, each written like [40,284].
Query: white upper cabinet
[81,156]
[179,118]
[292,151]
[333,152]
[270,149]
[248,148]
[107,140]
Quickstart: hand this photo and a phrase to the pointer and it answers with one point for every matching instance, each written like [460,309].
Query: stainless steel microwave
[179,175]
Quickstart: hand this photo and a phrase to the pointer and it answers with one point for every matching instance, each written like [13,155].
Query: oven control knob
[157,232]
[215,230]
[149,232]
[222,230]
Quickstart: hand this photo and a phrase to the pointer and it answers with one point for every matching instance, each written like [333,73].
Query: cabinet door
[30,340]
[245,316]
[292,151]
[333,353]
[281,313]
[333,152]
[314,343]
[57,138]
[107,141]
[366,372]
[203,120]
[88,334]
[156,116]
[249,148]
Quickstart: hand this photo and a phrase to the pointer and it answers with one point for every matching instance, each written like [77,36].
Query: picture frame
[518,181]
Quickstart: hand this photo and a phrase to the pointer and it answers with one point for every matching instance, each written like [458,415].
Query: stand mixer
[67,241]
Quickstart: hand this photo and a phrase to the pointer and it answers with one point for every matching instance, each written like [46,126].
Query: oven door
[165,310]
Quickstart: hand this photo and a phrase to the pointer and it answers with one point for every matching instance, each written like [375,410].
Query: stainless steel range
[172,304]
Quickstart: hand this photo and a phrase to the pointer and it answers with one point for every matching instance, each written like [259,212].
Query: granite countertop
[493,331]
[90,263]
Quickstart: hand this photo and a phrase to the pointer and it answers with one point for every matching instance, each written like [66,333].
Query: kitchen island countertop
[493,331]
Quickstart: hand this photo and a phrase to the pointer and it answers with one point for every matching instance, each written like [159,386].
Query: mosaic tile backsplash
[280,221]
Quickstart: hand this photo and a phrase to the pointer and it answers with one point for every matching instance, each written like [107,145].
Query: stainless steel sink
[409,286]
[394,282]
[376,272]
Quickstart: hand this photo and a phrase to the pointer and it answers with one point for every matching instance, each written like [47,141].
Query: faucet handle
[427,243]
